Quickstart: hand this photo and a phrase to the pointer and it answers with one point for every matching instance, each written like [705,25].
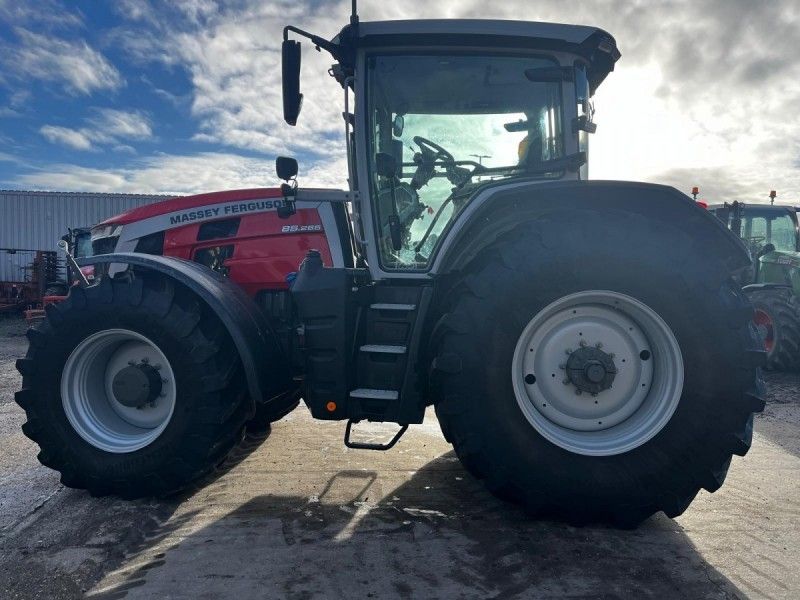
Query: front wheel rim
[88,397]
[597,373]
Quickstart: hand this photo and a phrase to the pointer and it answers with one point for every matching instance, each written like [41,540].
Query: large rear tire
[665,343]
[185,406]
[777,317]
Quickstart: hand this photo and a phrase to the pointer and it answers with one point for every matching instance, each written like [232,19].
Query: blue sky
[183,96]
[71,92]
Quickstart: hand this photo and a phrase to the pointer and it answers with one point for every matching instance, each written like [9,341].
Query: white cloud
[48,13]
[170,174]
[73,64]
[123,124]
[108,126]
[67,137]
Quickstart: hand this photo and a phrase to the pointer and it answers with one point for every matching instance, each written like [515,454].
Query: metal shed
[37,220]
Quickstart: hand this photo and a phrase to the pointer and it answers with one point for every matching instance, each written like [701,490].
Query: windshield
[83,245]
[770,228]
[449,124]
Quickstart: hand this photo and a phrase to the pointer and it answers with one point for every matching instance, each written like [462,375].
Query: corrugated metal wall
[37,220]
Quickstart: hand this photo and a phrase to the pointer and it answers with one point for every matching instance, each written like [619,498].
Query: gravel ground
[297,515]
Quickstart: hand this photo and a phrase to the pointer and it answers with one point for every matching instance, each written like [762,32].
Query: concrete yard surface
[297,515]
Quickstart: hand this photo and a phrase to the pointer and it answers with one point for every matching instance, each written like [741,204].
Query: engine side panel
[265,247]
[257,251]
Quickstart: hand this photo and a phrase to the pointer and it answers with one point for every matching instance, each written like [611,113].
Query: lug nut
[568,351]
[598,345]
[145,360]
[131,363]
[583,344]
[565,381]
[562,366]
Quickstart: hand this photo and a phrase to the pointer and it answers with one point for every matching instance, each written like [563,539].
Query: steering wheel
[433,150]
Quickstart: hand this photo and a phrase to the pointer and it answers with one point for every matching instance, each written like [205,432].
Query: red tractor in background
[585,345]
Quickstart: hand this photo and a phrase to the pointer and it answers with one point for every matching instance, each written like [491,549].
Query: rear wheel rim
[87,393]
[641,374]
[766,328]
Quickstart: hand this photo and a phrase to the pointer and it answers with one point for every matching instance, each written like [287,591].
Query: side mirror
[385,164]
[290,66]
[286,168]
[398,124]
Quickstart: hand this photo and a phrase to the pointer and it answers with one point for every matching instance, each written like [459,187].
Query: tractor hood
[189,202]
[782,258]
[596,46]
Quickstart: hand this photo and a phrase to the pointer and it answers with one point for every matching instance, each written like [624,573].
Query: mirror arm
[334,49]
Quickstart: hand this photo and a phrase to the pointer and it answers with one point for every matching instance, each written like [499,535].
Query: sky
[183,96]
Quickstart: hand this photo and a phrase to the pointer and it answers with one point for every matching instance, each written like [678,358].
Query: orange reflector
[331,406]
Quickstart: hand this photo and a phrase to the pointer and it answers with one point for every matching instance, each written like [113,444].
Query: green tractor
[772,233]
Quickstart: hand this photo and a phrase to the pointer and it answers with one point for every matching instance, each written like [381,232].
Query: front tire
[132,388]
[576,460]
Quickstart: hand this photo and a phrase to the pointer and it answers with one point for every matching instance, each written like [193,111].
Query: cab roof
[761,207]
[595,45]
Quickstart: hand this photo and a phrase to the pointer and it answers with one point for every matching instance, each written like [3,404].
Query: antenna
[354,14]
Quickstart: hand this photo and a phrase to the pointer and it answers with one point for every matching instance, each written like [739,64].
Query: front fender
[265,365]
[499,208]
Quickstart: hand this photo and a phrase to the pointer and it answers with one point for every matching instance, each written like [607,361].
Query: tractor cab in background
[772,234]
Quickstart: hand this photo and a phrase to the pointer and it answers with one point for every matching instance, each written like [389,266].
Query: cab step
[391,306]
[383,349]
[371,394]
[370,445]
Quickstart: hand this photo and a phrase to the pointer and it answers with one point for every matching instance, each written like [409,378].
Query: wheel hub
[136,386]
[591,370]
[617,386]
[118,390]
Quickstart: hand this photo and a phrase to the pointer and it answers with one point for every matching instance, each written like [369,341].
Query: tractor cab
[445,109]
[772,233]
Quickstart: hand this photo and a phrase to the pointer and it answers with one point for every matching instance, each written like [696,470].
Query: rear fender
[500,208]
[256,343]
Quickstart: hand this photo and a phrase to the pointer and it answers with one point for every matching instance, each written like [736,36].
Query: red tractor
[587,356]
